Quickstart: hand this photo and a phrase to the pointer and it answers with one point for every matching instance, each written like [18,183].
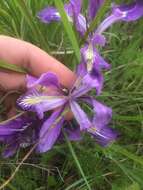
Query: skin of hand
[34,60]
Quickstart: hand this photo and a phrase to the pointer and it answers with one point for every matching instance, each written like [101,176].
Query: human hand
[34,60]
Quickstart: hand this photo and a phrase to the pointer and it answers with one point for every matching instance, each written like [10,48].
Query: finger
[11,81]
[35,60]
[41,60]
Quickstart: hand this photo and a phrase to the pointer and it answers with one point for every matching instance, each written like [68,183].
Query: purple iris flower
[50,14]
[100,130]
[72,10]
[92,63]
[18,133]
[23,132]
[64,100]
[126,13]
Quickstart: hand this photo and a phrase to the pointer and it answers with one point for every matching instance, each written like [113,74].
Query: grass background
[84,165]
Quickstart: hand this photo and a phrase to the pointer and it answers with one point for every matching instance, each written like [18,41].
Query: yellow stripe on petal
[89,57]
[33,100]
[92,130]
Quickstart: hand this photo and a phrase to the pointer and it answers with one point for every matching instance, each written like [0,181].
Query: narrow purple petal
[73,8]
[46,79]
[10,150]
[89,82]
[81,69]
[94,81]
[130,12]
[72,131]
[49,14]
[103,113]
[103,64]
[50,131]
[73,11]
[81,24]
[74,135]
[102,116]
[40,103]
[107,23]
[98,39]
[126,13]
[80,116]
[103,136]
[94,6]
[13,126]
[5,130]
[89,71]
[91,57]
[20,132]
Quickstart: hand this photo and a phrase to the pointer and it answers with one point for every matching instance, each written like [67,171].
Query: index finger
[35,60]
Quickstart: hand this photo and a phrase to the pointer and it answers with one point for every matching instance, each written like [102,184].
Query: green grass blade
[75,184]
[125,152]
[10,187]
[32,24]
[68,28]
[77,162]
[128,118]
[134,186]
[12,67]
[98,18]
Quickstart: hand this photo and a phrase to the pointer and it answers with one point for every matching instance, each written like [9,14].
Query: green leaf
[125,152]
[75,184]
[134,186]
[32,23]
[12,67]
[77,162]
[51,181]
[98,18]
[10,187]
[68,28]
[128,118]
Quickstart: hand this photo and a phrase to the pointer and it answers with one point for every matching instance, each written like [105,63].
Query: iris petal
[50,131]
[103,113]
[10,150]
[40,102]
[80,116]
[103,136]
[46,79]
[88,83]
[99,128]
[49,14]
[18,132]
[126,13]
[13,126]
